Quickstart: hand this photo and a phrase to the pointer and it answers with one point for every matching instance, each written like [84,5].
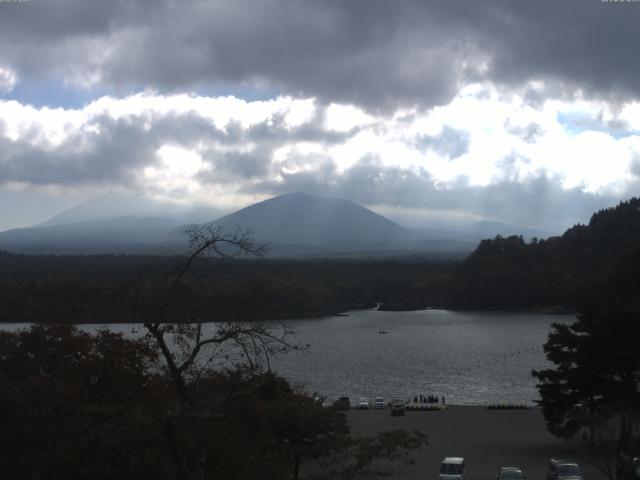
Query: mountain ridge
[295,224]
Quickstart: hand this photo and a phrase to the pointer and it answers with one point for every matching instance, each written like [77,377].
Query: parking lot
[487,439]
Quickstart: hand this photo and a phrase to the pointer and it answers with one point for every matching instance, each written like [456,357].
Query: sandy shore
[487,439]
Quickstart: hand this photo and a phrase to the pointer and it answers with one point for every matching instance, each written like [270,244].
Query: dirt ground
[487,439]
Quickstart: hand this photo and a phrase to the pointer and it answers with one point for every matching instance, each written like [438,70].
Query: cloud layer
[481,154]
[519,111]
[372,53]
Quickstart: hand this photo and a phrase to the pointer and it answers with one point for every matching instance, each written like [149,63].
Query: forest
[83,288]
[564,273]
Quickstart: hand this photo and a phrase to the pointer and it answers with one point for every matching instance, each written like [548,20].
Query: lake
[469,357]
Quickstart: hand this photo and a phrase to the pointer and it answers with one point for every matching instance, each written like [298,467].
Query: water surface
[468,357]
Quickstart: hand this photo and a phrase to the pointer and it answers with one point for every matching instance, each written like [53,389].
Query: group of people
[428,399]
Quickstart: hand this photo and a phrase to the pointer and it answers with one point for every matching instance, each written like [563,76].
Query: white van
[452,468]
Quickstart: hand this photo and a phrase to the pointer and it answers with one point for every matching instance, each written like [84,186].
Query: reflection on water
[469,357]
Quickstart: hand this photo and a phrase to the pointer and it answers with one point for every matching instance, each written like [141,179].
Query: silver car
[563,470]
[451,468]
[511,473]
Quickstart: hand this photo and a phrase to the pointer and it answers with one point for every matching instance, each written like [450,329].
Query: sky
[518,111]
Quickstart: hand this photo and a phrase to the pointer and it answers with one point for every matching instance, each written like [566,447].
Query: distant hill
[584,265]
[110,223]
[465,238]
[489,229]
[110,206]
[118,234]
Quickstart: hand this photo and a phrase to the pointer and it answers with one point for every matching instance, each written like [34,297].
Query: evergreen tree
[597,371]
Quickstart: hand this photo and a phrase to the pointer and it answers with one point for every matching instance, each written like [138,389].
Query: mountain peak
[294,195]
[300,218]
[306,197]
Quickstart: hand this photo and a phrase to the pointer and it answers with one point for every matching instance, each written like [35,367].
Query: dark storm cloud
[112,155]
[374,53]
[586,44]
[47,37]
[342,51]
[450,142]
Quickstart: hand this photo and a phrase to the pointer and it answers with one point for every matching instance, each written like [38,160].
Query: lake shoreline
[88,318]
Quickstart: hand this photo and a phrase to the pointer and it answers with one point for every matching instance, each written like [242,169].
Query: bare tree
[611,452]
[601,454]
[366,458]
[190,348]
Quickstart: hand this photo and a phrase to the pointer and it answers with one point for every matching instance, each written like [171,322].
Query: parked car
[452,468]
[378,403]
[343,403]
[511,473]
[397,407]
[363,403]
[563,470]
[327,403]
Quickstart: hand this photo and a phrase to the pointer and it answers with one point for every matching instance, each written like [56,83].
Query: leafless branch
[258,341]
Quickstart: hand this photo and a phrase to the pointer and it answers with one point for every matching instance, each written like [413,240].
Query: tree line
[565,273]
[44,288]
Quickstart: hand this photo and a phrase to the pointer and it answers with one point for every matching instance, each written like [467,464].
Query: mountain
[294,224]
[124,234]
[121,223]
[112,205]
[325,223]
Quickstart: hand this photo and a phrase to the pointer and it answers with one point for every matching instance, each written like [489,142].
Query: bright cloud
[344,118]
[175,171]
[186,147]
